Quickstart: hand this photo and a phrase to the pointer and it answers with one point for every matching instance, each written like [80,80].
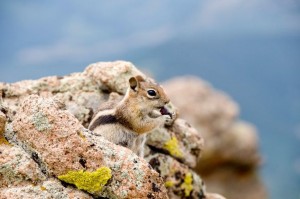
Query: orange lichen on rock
[2,128]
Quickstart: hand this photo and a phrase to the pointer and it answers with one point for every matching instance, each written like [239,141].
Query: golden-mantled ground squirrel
[126,122]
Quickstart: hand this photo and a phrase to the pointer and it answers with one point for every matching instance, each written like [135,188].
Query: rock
[132,176]
[48,189]
[18,168]
[230,144]
[215,115]
[243,183]
[44,121]
[200,104]
[78,93]
[112,76]
[59,140]
[55,137]
[179,179]
[21,177]
[214,196]
[243,151]
[181,141]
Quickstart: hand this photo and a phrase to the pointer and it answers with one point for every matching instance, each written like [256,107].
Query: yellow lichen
[2,138]
[81,135]
[91,182]
[169,184]
[173,148]
[187,185]
[43,188]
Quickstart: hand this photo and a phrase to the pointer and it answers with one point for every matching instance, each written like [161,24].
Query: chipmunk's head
[148,96]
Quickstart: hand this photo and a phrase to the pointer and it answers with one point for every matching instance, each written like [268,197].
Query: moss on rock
[2,129]
[172,147]
[169,183]
[187,185]
[92,182]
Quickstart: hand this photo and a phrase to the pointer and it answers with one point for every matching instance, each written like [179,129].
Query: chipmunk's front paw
[172,114]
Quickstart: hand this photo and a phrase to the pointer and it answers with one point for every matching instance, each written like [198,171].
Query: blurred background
[248,49]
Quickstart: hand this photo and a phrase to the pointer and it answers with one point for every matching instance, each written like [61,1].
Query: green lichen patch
[92,182]
[81,135]
[40,122]
[187,185]
[169,184]
[173,148]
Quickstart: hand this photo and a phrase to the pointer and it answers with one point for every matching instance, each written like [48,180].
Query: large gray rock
[215,115]
[231,145]
[62,148]
[45,124]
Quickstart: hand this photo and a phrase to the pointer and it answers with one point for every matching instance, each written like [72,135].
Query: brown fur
[136,114]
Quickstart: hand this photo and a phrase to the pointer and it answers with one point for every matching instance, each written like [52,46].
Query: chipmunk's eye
[151,93]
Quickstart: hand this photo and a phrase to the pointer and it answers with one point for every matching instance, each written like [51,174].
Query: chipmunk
[126,122]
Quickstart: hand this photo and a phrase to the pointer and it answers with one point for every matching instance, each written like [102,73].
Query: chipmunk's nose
[167,100]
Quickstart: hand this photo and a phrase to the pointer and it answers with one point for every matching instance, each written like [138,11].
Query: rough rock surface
[179,179]
[231,145]
[51,188]
[112,76]
[180,140]
[235,183]
[17,167]
[201,103]
[58,143]
[53,144]
[216,115]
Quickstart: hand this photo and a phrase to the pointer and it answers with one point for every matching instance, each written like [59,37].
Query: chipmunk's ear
[139,78]
[134,83]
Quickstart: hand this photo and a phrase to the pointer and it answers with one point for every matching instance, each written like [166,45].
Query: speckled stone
[132,176]
[179,179]
[59,143]
[48,189]
[52,136]
[181,141]
[77,93]
[231,145]
[17,167]
[215,115]
[112,76]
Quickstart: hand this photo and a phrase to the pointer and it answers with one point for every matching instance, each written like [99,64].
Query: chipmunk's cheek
[155,114]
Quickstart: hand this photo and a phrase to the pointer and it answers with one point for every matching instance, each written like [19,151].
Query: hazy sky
[45,33]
